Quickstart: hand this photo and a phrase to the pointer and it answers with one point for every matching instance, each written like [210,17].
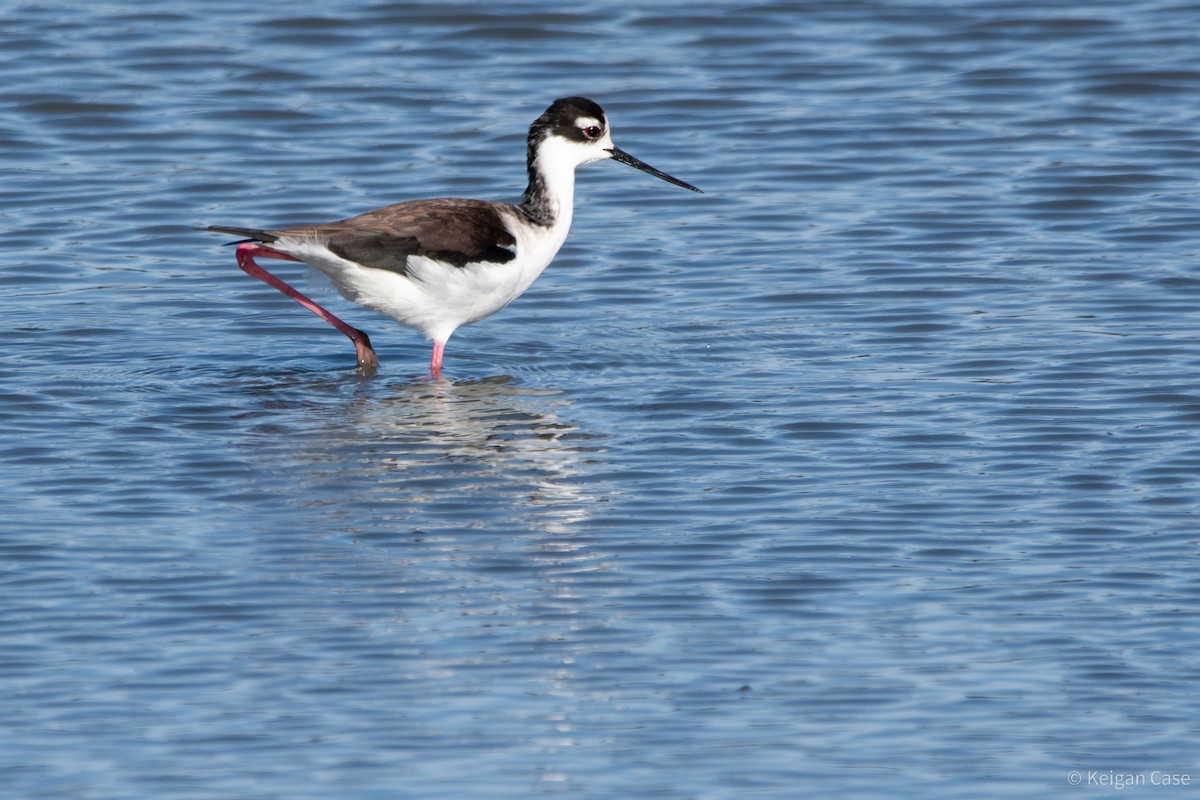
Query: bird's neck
[550,195]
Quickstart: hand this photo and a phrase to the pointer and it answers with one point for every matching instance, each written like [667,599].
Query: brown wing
[457,232]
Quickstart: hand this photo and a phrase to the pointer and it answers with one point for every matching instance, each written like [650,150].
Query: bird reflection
[497,434]
[464,508]
[446,452]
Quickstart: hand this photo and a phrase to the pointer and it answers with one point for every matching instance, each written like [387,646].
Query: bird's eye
[591,131]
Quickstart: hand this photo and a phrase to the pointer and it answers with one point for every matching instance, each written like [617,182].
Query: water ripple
[886,438]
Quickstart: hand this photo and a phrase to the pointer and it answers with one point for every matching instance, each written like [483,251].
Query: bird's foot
[368,362]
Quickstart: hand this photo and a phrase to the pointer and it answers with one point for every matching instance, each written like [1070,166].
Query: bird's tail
[251,234]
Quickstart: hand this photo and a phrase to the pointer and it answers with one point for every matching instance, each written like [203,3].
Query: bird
[438,264]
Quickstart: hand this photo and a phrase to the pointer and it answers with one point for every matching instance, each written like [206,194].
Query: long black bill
[620,155]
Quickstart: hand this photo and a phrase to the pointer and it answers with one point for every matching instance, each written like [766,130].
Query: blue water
[873,472]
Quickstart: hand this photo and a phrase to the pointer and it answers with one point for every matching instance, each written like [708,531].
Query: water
[873,472]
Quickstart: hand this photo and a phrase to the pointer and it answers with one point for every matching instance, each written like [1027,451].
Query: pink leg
[368,362]
[435,363]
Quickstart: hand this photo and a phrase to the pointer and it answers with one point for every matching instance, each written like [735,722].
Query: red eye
[591,131]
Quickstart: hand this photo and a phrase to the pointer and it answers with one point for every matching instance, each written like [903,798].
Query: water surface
[870,473]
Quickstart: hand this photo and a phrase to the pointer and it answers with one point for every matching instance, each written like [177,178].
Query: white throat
[555,166]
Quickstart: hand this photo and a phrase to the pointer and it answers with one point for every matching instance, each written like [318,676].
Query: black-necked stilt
[436,265]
